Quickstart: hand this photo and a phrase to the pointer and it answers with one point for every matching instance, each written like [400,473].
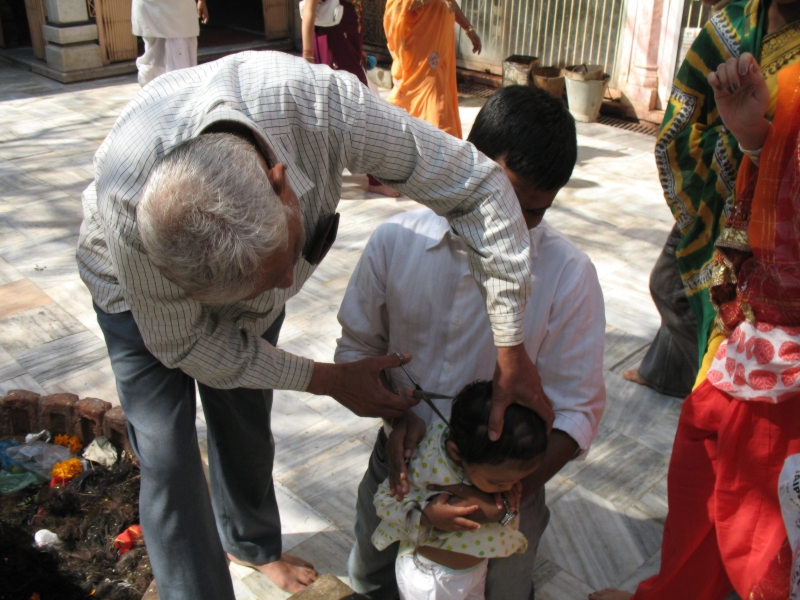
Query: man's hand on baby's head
[516,379]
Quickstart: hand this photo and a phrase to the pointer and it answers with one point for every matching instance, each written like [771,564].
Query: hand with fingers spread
[517,380]
[359,386]
[742,97]
[441,515]
[407,432]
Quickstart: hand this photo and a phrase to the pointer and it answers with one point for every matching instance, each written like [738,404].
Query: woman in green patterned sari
[697,157]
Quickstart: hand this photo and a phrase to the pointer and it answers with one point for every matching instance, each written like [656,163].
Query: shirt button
[345,34]
[447,367]
[457,321]
[335,66]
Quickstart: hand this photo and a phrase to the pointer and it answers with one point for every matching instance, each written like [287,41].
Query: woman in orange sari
[421,39]
[724,529]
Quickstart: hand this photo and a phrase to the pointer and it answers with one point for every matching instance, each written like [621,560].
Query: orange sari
[423,48]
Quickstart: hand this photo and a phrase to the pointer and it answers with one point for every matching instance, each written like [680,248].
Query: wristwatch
[509,516]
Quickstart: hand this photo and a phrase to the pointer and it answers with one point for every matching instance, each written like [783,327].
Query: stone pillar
[73,39]
[19,412]
[55,413]
[115,428]
[650,46]
[88,418]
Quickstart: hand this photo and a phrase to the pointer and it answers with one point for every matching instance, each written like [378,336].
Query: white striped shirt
[317,122]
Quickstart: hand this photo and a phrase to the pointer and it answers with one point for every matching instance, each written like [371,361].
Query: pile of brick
[23,412]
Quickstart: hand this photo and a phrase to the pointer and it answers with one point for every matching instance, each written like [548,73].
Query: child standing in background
[445,557]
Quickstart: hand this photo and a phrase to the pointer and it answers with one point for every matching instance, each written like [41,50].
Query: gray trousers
[372,571]
[671,363]
[187,532]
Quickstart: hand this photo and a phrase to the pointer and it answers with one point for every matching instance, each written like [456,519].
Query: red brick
[115,428]
[20,413]
[55,413]
[87,418]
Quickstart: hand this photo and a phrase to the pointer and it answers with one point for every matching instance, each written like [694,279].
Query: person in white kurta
[412,292]
[169,29]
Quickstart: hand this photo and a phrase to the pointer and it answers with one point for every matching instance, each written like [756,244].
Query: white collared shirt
[412,292]
[316,122]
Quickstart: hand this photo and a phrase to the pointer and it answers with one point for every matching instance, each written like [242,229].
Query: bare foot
[290,573]
[383,190]
[633,375]
[610,594]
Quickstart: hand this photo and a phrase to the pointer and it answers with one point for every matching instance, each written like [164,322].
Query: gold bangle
[470,29]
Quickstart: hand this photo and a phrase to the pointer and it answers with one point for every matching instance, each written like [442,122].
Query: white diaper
[421,579]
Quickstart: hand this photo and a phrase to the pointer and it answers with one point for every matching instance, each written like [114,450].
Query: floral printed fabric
[400,520]
[759,363]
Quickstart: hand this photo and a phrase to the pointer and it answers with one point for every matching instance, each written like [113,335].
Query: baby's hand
[440,515]
[512,496]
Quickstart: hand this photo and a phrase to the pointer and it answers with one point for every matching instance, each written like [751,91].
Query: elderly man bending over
[214,198]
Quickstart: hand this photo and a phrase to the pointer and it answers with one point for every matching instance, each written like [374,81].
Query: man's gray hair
[209,218]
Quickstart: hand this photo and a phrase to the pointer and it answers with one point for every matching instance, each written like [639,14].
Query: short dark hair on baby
[532,131]
[524,434]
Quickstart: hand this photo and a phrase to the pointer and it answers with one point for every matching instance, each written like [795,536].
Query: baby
[433,563]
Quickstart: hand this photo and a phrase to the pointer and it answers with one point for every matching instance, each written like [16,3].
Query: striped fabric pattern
[316,122]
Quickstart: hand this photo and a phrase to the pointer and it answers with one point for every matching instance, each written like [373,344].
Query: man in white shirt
[214,199]
[169,29]
[412,293]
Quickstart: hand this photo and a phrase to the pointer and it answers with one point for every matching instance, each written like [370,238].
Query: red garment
[724,529]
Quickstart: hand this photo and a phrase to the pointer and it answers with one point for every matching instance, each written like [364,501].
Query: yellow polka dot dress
[400,520]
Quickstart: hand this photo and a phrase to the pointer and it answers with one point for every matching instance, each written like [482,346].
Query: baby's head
[494,466]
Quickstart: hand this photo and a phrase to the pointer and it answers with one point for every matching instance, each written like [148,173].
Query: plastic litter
[128,539]
[14,482]
[45,538]
[39,457]
[42,436]
[7,463]
[102,451]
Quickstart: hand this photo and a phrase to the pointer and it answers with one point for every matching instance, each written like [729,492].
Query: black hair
[524,434]
[532,131]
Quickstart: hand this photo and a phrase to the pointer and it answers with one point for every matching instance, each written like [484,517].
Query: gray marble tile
[620,346]
[330,484]
[37,326]
[641,413]
[310,446]
[592,540]
[23,382]
[291,414]
[88,379]
[654,502]
[9,368]
[563,586]
[8,274]
[64,358]
[328,551]
[543,572]
[618,469]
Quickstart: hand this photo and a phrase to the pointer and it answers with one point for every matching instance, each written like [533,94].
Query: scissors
[420,394]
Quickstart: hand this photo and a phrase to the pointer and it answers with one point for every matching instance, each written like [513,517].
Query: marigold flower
[67,469]
[73,443]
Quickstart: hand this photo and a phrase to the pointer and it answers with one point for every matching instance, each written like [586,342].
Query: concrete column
[649,48]
[73,39]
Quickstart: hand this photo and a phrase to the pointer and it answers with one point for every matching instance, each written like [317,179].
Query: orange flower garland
[67,469]
[73,443]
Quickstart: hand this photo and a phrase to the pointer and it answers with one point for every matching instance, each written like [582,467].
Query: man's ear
[277,177]
[453,450]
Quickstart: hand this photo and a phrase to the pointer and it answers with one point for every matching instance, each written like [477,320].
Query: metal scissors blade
[420,394]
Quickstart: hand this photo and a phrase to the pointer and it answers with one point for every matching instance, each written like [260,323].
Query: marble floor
[607,511]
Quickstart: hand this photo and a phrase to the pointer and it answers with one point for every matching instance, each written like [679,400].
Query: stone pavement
[607,511]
